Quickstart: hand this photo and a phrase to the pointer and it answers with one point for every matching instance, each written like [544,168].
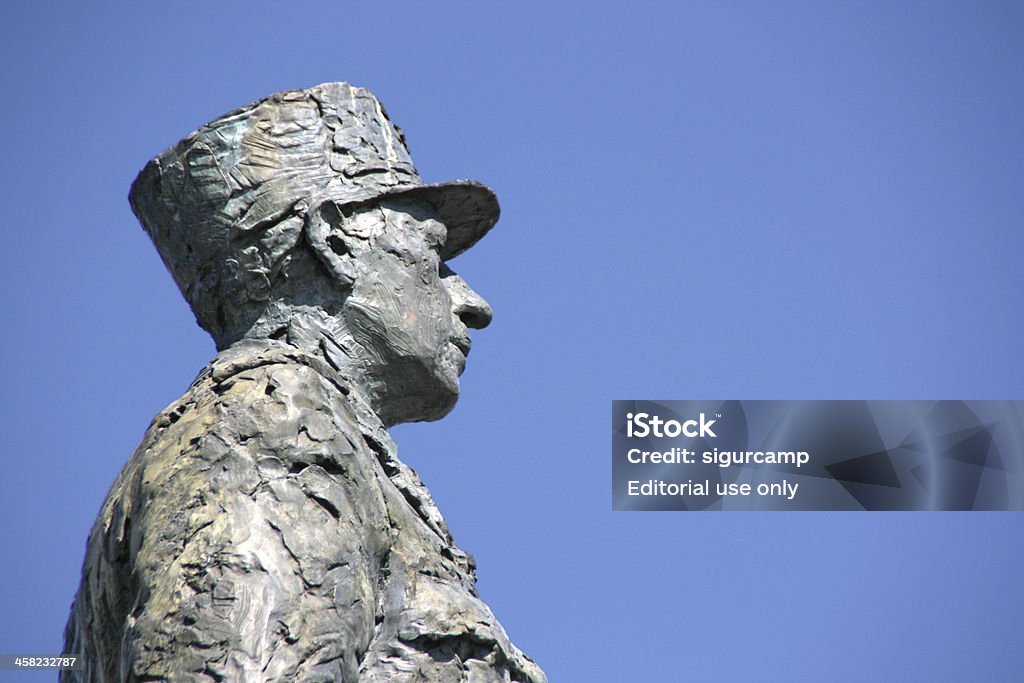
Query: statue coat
[264,530]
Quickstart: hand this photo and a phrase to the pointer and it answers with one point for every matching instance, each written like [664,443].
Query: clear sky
[721,200]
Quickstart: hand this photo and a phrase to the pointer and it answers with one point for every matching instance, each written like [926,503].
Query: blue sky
[723,200]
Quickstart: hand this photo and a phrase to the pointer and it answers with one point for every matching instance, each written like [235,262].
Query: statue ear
[331,243]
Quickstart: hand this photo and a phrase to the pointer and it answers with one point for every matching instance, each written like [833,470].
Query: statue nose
[471,308]
[476,315]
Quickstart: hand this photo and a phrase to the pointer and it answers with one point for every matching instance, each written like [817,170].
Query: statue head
[301,217]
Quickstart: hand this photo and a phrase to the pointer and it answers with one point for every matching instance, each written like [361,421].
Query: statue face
[408,314]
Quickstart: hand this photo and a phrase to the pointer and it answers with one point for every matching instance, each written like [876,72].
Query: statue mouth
[462,344]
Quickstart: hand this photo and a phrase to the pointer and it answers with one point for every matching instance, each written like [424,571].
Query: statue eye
[434,233]
[430,271]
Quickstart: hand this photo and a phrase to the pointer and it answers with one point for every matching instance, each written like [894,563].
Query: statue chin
[416,393]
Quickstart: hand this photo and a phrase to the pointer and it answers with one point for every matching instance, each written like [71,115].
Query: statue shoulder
[262,400]
[249,417]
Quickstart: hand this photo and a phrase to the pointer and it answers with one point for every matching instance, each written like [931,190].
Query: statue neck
[321,335]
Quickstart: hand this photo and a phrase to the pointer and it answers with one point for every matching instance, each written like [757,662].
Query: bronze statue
[264,529]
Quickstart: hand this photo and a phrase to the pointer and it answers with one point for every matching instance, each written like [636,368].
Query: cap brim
[467,208]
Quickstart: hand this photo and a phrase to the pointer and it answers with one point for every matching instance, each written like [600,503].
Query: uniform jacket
[265,530]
